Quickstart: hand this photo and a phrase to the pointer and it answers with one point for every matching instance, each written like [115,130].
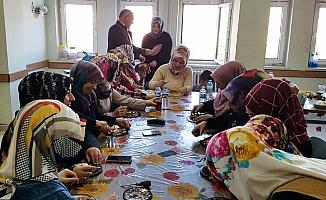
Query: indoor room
[163,99]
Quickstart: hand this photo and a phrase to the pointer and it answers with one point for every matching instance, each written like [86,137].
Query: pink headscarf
[222,76]
[225,73]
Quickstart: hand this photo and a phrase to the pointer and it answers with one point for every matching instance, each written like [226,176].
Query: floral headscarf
[160,22]
[237,90]
[183,50]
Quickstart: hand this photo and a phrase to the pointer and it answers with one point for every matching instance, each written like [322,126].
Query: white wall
[106,16]
[3,43]
[25,43]
[52,29]
[250,24]
[300,34]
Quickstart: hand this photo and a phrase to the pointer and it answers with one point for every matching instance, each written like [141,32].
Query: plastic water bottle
[202,94]
[165,95]
[158,101]
[210,90]
[313,62]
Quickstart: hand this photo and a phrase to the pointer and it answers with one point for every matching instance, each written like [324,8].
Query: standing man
[119,34]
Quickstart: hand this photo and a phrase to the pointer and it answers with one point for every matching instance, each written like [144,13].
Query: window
[318,40]
[79,24]
[205,30]
[275,47]
[223,33]
[143,14]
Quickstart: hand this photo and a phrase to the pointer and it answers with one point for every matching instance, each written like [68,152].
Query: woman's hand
[141,58]
[68,177]
[102,126]
[138,90]
[120,111]
[151,102]
[136,86]
[202,118]
[159,83]
[93,155]
[197,108]
[83,170]
[153,63]
[122,123]
[199,129]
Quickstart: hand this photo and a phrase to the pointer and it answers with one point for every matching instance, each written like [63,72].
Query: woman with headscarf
[108,95]
[48,85]
[222,77]
[276,98]
[175,75]
[252,162]
[28,163]
[234,94]
[156,37]
[86,76]
[110,66]
[126,75]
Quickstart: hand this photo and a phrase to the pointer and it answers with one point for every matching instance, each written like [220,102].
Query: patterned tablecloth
[171,161]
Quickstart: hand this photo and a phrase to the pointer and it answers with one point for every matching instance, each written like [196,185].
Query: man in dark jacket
[119,34]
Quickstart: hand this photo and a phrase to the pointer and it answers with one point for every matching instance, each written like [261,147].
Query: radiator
[195,77]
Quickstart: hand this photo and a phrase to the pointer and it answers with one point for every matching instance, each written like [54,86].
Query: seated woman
[222,76]
[126,76]
[250,161]
[27,151]
[155,37]
[48,85]
[86,76]
[234,94]
[276,98]
[107,94]
[176,75]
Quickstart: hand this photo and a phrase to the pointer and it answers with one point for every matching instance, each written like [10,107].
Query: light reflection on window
[199,30]
[320,36]
[274,32]
[142,22]
[79,27]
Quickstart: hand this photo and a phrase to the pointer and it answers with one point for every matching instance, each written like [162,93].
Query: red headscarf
[275,98]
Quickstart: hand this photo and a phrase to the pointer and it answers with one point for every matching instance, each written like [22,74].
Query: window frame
[220,4]
[229,28]
[154,3]
[319,4]
[284,35]
[63,20]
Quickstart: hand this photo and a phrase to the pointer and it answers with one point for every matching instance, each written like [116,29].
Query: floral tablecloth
[171,161]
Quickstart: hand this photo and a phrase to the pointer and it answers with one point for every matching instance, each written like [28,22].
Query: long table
[171,161]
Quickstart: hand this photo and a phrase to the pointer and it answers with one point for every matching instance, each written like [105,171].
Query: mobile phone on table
[151,132]
[119,159]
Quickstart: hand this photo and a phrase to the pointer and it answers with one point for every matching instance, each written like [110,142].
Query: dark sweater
[91,115]
[227,120]
[119,35]
[163,56]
